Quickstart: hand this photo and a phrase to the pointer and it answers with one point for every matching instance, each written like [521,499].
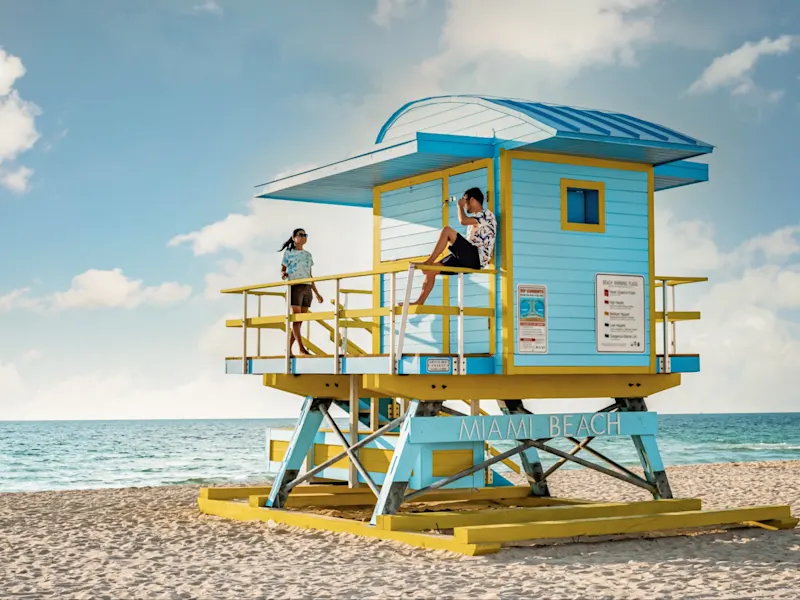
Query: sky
[132,134]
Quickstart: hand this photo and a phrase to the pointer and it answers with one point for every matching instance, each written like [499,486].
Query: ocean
[56,455]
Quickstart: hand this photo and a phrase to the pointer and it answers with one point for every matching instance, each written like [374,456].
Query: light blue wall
[411,219]
[567,261]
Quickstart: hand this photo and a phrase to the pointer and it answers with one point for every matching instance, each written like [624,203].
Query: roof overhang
[609,148]
[350,182]
[679,173]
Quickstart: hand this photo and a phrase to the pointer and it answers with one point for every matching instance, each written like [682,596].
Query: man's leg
[429,279]
[447,236]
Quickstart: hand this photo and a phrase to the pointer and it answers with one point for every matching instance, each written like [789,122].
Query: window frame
[600,188]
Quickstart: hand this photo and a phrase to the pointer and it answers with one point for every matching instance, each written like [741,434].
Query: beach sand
[153,543]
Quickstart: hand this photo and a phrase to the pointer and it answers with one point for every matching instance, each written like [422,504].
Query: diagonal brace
[635,480]
[349,450]
[362,442]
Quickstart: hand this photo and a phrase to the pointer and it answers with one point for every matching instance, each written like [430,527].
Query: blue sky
[135,122]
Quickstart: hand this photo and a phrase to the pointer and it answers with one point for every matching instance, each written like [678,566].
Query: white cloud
[559,37]
[32,354]
[735,69]
[748,348]
[17,123]
[98,288]
[387,11]
[340,239]
[11,69]
[209,7]
[17,181]
[18,299]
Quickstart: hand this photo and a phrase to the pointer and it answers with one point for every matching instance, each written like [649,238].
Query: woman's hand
[320,298]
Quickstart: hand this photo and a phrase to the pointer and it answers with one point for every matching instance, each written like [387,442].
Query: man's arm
[462,215]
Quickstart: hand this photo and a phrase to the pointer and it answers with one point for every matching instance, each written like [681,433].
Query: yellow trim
[376,261]
[515,370]
[490,387]
[651,262]
[600,187]
[507,262]
[691,315]
[567,159]
[617,525]
[660,279]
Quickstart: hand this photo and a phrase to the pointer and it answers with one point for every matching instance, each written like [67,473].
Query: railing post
[392,324]
[288,365]
[404,317]
[665,330]
[244,336]
[258,331]
[461,362]
[344,331]
[674,325]
[336,339]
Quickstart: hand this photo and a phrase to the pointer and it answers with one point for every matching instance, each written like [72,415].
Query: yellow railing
[344,317]
[668,316]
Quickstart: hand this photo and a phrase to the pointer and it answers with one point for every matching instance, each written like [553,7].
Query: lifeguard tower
[570,307]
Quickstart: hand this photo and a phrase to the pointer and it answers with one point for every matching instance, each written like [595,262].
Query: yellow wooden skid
[244,512]
[617,525]
[310,496]
[232,493]
[364,498]
[450,520]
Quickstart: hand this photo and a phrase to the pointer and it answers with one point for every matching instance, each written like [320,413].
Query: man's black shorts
[462,254]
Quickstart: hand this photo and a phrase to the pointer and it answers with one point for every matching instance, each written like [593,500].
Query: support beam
[404,458]
[649,455]
[302,439]
[531,463]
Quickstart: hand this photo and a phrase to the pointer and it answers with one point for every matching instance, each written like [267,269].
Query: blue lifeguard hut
[570,307]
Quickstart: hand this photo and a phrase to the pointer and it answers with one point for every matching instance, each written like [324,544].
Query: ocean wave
[756,446]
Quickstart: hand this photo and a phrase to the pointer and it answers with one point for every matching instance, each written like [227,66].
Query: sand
[153,543]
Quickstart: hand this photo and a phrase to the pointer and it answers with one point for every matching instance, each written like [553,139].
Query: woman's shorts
[302,295]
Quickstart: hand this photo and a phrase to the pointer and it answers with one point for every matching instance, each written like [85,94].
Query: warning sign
[531,319]
[620,318]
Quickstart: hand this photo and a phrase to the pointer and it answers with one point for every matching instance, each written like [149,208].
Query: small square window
[582,206]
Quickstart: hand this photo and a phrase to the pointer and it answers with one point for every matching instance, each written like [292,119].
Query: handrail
[668,317]
[382,270]
[341,312]
[672,281]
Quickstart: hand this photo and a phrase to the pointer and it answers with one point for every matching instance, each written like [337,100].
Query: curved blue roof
[550,127]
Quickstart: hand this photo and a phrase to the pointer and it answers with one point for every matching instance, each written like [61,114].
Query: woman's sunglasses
[305,235]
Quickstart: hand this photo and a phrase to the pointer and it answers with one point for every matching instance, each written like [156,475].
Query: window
[583,206]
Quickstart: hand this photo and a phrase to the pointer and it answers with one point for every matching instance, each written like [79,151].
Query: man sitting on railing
[472,252]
